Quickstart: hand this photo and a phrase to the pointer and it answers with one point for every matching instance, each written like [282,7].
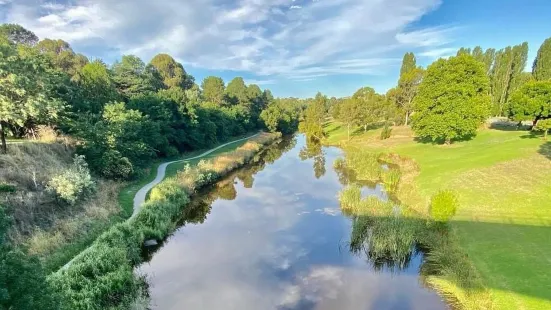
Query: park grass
[503,179]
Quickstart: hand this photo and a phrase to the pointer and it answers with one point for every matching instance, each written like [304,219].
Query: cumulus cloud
[270,38]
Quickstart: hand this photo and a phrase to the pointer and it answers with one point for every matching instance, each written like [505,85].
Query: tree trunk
[348,130]
[545,135]
[365,127]
[3,137]
[448,141]
[407,117]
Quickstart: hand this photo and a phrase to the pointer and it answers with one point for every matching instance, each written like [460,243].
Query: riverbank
[102,277]
[502,178]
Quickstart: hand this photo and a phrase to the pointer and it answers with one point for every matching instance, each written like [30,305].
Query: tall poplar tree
[408,84]
[408,63]
[541,69]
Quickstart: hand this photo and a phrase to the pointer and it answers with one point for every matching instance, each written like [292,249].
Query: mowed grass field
[503,179]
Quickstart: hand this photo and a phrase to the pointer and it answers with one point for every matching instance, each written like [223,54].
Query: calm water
[272,236]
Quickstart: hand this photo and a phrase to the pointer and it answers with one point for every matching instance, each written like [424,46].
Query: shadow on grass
[509,126]
[545,150]
[360,130]
[532,135]
[442,141]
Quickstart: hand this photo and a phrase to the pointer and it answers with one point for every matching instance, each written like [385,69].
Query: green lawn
[503,179]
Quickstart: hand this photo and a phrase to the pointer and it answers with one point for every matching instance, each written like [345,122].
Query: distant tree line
[128,113]
[451,98]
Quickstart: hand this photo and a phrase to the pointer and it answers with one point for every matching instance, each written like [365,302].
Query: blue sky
[293,47]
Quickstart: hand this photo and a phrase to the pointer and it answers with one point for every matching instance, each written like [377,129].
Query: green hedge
[102,276]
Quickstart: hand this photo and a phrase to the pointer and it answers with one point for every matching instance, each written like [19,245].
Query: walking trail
[139,198]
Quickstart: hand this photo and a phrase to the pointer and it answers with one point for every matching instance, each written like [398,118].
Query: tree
[172,72]
[506,75]
[281,115]
[453,99]
[543,125]
[541,69]
[312,122]
[236,91]
[408,85]
[368,107]
[26,94]
[349,112]
[132,77]
[213,89]
[62,56]
[531,102]
[97,87]
[464,51]
[16,34]
[408,63]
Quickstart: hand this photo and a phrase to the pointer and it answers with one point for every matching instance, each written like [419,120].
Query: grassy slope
[504,221]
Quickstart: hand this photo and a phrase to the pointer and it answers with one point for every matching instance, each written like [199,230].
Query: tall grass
[97,280]
[391,179]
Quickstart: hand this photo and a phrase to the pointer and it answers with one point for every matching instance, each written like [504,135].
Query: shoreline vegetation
[103,276]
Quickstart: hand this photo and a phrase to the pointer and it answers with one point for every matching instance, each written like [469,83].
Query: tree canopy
[172,72]
[453,99]
[541,69]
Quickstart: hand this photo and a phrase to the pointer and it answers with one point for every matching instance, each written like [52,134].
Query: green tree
[281,115]
[349,112]
[132,77]
[543,125]
[16,34]
[214,89]
[62,56]
[453,99]
[236,91]
[541,69]
[313,116]
[97,88]
[506,75]
[408,86]
[408,63]
[26,91]
[531,102]
[172,72]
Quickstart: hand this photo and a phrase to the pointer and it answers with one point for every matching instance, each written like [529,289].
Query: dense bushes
[101,277]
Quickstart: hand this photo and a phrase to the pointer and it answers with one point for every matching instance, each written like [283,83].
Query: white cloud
[264,37]
[439,52]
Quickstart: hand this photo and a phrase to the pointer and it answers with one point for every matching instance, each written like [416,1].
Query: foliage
[531,102]
[214,90]
[391,179]
[386,132]
[443,206]
[541,68]
[281,115]
[408,84]
[506,75]
[133,77]
[313,116]
[453,100]
[543,125]
[16,34]
[74,183]
[172,72]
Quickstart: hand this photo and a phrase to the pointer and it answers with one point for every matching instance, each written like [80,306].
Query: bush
[74,183]
[443,206]
[115,166]
[385,133]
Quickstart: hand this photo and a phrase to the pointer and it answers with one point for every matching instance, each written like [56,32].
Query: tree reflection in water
[313,150]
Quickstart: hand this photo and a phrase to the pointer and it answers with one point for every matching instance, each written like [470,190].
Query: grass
[503,222]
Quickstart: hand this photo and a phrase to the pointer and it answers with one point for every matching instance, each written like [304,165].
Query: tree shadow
[545,150]
[531,135]
[509,126]
[361,129]
[443,141]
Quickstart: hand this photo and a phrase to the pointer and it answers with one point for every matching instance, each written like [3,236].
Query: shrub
[385,133]
[115,166]
[74,183]
[443,206]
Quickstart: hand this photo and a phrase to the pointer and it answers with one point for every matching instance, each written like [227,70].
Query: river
[271,236]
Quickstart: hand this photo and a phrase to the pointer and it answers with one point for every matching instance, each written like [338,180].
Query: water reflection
[279,244]
[313,150]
